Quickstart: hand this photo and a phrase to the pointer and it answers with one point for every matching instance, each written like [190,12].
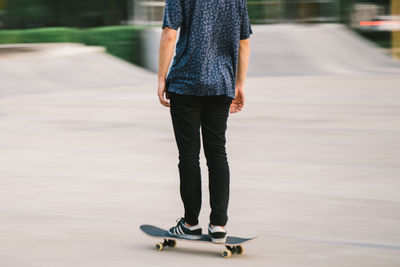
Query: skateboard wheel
[172,243]
[239,249]
[159,246]
[226,253]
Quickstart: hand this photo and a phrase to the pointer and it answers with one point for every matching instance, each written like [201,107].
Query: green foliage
[25,14]
[381,38]
[39,35]
[22,14]
[262,11]
[121,41]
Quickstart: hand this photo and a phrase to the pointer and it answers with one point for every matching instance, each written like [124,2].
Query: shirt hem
[198,93]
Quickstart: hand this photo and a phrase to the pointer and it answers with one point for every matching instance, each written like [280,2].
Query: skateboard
[233,244]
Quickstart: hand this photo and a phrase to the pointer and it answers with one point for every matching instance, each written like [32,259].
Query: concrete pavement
[88,154]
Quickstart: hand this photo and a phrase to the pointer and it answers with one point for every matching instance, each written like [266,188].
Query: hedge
[121,41]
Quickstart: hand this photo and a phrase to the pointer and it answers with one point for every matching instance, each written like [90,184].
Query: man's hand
[161,91]
[238,102]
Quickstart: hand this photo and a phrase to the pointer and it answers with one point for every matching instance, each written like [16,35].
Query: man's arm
[167,46]
[243,62]
[244,56]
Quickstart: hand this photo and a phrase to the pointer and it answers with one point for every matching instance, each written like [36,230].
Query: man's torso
[207,49]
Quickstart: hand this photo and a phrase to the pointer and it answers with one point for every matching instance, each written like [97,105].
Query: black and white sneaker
[217,234]
[180,230]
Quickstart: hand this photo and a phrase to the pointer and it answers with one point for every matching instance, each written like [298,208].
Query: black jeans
[189,113]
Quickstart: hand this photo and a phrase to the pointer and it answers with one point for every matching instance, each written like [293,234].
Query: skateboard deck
[233,244]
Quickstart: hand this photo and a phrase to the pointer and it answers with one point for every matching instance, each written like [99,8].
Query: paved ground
[87,155]
[315,49]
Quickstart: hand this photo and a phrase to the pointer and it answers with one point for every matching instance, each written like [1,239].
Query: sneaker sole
[218,240]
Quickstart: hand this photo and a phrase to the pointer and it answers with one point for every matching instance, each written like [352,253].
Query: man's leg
[185,114]
[215,112]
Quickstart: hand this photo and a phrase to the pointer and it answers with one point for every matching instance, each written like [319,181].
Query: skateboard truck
[225,254]
[167,243]
[232,250]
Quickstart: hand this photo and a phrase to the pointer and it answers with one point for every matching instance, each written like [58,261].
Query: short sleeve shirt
[207,50]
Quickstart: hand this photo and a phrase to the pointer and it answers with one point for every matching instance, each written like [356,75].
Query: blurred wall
[150,41]
[260,11]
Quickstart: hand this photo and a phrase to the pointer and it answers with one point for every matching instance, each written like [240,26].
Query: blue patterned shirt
[206,56]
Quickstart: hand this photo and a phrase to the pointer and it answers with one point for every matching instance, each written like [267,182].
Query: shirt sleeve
[173,14]
[245,26]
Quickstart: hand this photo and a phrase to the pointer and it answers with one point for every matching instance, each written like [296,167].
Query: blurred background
[90,21]
[87,153]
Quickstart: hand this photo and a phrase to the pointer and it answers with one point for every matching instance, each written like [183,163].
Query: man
[205,84]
